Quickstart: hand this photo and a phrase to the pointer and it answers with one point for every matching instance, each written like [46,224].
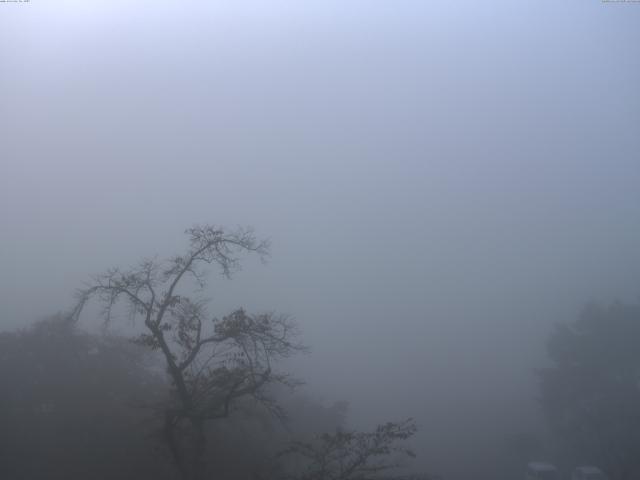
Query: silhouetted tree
[591,393]
[212,363]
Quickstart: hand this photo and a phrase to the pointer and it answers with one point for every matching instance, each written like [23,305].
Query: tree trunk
[187,443]
[173,442]
[199,448]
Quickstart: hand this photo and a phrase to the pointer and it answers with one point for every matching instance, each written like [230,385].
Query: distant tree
[72,406]
[591,392]
[350,455]
[521,448]
[213,363]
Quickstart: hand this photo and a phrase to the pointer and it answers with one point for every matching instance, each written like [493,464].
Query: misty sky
[441,181]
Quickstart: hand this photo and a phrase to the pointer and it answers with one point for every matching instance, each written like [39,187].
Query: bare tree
[349,455]
[212,362]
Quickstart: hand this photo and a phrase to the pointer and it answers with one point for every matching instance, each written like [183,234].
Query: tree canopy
[591,392]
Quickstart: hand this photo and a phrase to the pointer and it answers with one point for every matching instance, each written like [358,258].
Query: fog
[441,182]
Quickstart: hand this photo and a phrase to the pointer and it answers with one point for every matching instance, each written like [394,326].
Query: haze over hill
[441,182]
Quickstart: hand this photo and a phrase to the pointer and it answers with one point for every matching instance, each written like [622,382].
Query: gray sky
[441,181]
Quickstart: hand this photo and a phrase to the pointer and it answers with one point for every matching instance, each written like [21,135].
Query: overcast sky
[441,181]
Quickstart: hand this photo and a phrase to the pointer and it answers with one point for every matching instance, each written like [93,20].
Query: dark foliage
[73,406]
[591,393]
[78,406]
